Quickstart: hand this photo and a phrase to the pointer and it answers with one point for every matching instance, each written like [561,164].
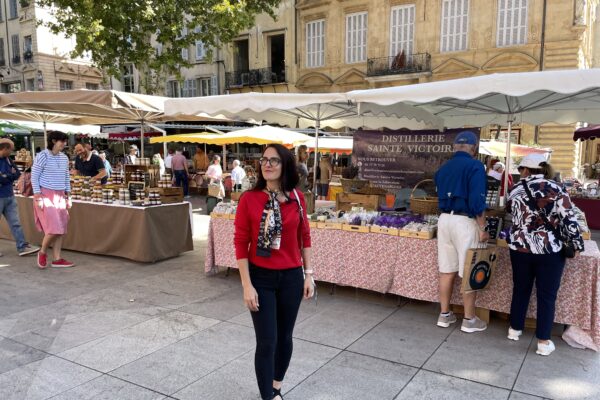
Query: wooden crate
[355,228]
[231,216]
[219,215]
[345,201]
[586,235]
[312,224]
[171,195]
[329,225]
[235,196]
[501,243]
[425,235]
[530,323]
[385,231]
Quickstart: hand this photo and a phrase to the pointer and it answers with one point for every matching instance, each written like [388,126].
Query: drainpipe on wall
[543,38]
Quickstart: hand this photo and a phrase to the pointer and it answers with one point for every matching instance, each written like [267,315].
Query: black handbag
[568,248]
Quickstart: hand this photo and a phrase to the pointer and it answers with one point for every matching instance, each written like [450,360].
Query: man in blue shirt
[8,204]
[461,185]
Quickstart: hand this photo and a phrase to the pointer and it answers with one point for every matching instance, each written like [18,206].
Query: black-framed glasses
[273,161]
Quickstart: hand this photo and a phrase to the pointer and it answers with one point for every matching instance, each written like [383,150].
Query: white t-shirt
[237,175]
[168,161]
[215,172]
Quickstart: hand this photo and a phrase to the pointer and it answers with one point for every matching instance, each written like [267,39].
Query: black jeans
[546,270]
[279,297]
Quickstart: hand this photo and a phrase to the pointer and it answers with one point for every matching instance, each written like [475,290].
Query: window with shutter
[16,51]
[184,51]
[356,37]
[2,59]
[402,30]
[455,25]
[200,49]
[512,22]
[315,43]
[214,85]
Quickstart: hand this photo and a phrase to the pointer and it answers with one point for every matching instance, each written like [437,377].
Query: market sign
[393,160]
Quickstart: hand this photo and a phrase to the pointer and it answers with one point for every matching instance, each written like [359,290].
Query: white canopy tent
[532,97]
[302,111]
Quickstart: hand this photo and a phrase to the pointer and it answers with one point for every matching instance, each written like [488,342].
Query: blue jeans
[181,177]
[546,270]
[8,207]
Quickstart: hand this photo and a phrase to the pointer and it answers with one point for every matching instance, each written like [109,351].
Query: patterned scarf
[269,234]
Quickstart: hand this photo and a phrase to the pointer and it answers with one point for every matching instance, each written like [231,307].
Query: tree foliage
[117,32]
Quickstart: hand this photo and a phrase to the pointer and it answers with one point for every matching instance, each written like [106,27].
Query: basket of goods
[370,189]
[423,204]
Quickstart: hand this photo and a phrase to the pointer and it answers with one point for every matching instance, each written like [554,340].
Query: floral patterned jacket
[529,232]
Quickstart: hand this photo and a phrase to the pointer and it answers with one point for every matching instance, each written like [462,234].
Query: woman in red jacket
[272,245]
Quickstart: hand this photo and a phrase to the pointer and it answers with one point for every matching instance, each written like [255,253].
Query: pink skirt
[53,218]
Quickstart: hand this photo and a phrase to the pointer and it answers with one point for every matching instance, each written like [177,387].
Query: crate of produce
[220,215]
[345,201]
[426,235]
[355,228]
[586,235]
[385,231]
[329,225]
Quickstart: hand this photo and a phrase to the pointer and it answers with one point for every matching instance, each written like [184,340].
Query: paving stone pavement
[114,329]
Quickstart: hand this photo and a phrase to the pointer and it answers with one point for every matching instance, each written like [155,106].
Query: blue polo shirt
[462,185]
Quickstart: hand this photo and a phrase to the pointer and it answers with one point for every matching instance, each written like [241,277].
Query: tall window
[185,53]
[2,59]
[315,43]
[356,37]
[16,50]
[402,29]
[13,9]
[512,22]
[27,49]
[189,88]
[173,89]
[200,48]
[66,85]
[455,25]
[128,79]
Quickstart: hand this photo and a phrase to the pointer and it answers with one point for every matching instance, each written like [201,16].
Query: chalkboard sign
[135,186]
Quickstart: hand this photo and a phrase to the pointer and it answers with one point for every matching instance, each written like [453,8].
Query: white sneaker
[513,334]
[545,349]
[444,321]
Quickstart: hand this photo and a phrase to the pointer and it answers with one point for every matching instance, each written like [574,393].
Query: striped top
[50,171]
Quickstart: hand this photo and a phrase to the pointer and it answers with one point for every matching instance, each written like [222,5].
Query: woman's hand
[251,298]
[309,288]
[38,201]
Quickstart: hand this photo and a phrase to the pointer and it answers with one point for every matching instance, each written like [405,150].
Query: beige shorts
[456,234]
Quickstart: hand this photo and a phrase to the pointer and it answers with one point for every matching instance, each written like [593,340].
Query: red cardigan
[247,225]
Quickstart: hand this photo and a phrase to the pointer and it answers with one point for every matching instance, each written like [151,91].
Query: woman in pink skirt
[51,189]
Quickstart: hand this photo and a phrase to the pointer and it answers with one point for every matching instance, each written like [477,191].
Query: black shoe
[277,392]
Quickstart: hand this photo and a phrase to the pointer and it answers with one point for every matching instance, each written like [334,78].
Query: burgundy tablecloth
[408,267]
[591,208]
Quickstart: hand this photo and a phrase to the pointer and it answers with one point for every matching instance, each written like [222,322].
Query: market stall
[408,267]
[143,234]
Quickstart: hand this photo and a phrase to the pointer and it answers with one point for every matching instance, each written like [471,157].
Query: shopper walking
[179,165]
[272,245]
[9,173]
[237,175]
[51,190]
[461,185]
[215,175]
[326,172]
[169,162]
[542,218]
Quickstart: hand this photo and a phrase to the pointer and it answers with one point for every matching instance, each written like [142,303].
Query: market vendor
[200,160]
[461,185]
[88,164]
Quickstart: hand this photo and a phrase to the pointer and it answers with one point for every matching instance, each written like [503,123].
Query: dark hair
[289,174]
[57,136]
[545,169]
[5,145]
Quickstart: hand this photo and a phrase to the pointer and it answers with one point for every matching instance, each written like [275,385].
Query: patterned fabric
[529,232]
[269,234]
[408,267]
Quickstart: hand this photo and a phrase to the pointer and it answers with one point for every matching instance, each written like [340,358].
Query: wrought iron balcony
[254,77]
[400,64]
[16,60]
[28,57]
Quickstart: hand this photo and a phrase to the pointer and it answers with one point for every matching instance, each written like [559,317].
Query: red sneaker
[42,260]
[62,263]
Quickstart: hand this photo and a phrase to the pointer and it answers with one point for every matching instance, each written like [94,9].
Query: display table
[147,234]
[408,267]
[591,209]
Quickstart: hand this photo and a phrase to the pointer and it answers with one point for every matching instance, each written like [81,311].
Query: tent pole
[225,157]
[508,166]
[45,132]
[142,138]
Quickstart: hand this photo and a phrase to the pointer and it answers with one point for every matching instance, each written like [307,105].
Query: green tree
[117,32]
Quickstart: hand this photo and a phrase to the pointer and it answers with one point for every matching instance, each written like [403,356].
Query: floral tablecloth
[408,267]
